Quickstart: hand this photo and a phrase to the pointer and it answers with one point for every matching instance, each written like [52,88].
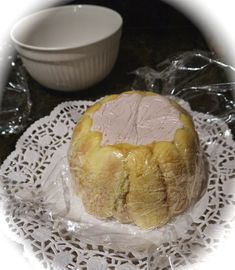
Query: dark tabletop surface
[152,31]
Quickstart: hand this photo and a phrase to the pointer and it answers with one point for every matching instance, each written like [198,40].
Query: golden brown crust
[146,185]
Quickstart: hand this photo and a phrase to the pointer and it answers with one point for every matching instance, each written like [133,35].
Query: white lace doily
[44,144]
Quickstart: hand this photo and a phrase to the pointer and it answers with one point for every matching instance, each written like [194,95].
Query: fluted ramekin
[69,48]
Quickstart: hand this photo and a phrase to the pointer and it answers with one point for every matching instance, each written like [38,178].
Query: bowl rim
[54,49]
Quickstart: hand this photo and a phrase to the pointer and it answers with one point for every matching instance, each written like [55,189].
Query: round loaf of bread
[134,157]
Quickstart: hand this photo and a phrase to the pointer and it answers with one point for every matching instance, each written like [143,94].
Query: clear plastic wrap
[198,77]
[40,204]
[136,167]
[56,205]
[15,102]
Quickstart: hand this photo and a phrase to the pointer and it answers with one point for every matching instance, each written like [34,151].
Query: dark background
[144,14]
[152,31]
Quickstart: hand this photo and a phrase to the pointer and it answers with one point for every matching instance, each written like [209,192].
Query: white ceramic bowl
[69,48]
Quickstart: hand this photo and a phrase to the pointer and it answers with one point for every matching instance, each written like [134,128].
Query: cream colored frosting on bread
[136,119]
[146,183]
